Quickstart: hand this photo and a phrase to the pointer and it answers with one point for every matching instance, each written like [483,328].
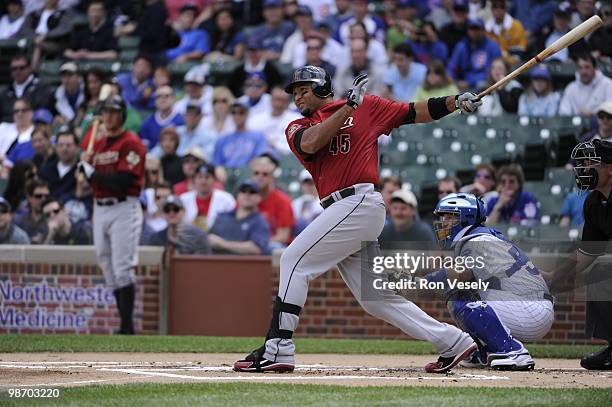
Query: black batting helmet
[115,102]
[321,81]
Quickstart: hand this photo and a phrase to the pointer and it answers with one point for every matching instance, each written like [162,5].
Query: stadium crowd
[197,133]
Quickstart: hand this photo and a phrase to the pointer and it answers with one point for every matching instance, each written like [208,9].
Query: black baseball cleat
[601,360]
[256,363]
[444,364]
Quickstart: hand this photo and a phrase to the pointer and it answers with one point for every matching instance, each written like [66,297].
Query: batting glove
[467,102]
[355,95]
[86,168]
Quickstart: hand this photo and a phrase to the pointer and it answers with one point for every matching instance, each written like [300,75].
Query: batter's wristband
[352,104]
[437,108]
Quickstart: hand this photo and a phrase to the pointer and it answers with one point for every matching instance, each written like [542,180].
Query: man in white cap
[604,124]
[70,95]
[197,92]
[405,225]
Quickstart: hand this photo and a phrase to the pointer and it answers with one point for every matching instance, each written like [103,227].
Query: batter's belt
[345,193]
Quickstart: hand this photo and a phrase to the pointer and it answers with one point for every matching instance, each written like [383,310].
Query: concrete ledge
[148,255]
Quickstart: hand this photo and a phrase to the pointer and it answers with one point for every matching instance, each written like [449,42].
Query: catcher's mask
[588,156]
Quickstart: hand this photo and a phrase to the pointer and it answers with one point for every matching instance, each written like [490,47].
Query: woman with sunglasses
[220,122]
[484,184]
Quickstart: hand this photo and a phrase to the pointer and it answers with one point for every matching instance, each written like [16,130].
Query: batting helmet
[468,211]
[321,81]
[115,102]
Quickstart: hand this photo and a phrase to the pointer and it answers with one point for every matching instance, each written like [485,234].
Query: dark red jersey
[124,153]
[352,154]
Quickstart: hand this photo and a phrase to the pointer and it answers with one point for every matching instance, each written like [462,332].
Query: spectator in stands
[162,77]
[404,75]
[455,31]
[561,26]
[240,147]
[314,48]
[255,61]
[195,43]
[60,229]
[484,184]
[243,230]
[226,37]
[31,220]
[174,8]
[25,85]
[192,133]
[472,57]
[359,63]
[155,198]
[572,210]
[11,22]
[437,83]
[306,207]
[405,224]
[513,205]
[273,33]
[321,9]
[205,202]
[375,49]
[60,171]
[153,174]
[196,92]
[535,15]
[42,118]
[373,24]
[9,232]
[585,9]
[328,54]
[180,236]
[540,98]
[151,29]
[290,9]
[343,13]
[164,116]
[273,123]
[426,44]
[96,40]
[256,95]
[603,131]
[49,28]
[590,89]
[600,41]
[93,78]
[507,31]
[441,15]
[388,185]
[402,23]
[448,185]
[220,122]
[38,149]
[504,99]
[275,205]
[19,131]
[69,96]
[193,158]
[20,175]
[166,151]
[137,86]
[304,26]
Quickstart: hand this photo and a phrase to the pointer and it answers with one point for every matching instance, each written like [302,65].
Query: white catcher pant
[527,321]
[335,238]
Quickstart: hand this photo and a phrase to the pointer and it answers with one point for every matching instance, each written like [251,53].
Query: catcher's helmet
[467,210]
[115,102]
[321,81]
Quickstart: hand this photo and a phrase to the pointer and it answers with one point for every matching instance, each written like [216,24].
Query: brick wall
[29,295]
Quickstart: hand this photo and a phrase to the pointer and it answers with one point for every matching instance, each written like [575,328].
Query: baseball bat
[582,30]
[105,92]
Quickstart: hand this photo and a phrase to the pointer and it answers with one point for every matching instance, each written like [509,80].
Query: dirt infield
[78,369]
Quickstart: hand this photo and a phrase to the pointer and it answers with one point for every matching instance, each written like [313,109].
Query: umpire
[115,170]
[593,170]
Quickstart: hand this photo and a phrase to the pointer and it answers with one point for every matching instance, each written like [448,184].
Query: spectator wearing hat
[164,116]
[306,207]
[240,147]
[96,40]
[507,31]
[590,89]
[540,98]
[205,202]
[191,160]
[24,85]
[600,41]
[455,31]
[197,92]
[513,205]
[273,123]
[69,97]
[11,22]
[31,219]
[472,57]
[426,44]
[256,94]
[404,76]
[18,131]
[193,133]
[60,229]
[195,43]
[59,172]
[254,62]
[405,224]
[137,85]
[9,232]
[242,230]
[275,205]
[373,24]
[273,33]
[179,235]
[603,131]
[304,26]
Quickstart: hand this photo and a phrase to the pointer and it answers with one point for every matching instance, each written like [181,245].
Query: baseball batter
[337,143]
[116,173]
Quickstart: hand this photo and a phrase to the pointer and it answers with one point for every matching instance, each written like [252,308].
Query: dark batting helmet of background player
[321,81]
[115,102]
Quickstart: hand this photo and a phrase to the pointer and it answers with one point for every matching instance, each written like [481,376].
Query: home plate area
[78,369]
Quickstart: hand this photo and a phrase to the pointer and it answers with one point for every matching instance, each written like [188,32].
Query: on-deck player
[116,173]
[516,303]
[337,143]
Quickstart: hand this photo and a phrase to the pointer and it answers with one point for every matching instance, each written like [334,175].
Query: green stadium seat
[129,42]
[127,56]
[561,177]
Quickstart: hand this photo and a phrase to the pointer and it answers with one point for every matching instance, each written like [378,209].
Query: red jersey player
[337,143]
